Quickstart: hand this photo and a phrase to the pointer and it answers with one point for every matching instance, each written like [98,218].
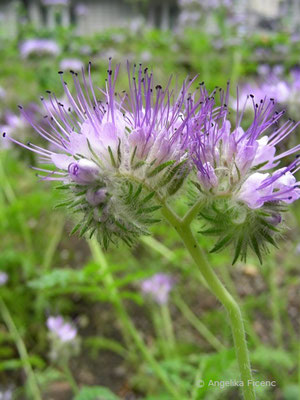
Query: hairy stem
[32,382]
[217,288]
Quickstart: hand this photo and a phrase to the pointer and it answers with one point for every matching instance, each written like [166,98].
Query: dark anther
[42,98]
[4,134]
[158,87]
[60,104]
[45,116]
[110,72]
[272,99]
[69,109]
[90,63]
[252,96]
[48,91]
[20,107]
[202,83]
[28,144]
[145,70]
[110,58]
[60,72]
[72,72]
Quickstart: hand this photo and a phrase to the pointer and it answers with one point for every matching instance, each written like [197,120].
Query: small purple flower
[71,64]
[65,331]
[3,278]
[158,287]
[39,47]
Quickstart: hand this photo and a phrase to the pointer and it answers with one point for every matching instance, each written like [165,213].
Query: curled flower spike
[115,154]
[236,174]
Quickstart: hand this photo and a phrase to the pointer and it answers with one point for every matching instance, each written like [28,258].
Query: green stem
[70,378]
[197,324]
[127,323]
[217,288]
[32,382]
[193,212]
[168,327]
[225,275]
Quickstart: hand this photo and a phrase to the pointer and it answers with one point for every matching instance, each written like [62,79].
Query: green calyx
[236,225]
[126,212]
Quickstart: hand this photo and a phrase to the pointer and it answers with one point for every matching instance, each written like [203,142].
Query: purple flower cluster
[64,331]
[116,154]
[158,287]
[236,162]
[39,47]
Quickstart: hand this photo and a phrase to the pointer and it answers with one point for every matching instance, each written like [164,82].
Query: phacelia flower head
[240,176]
[158,287]
[39,47]
[64,331]
[115,153]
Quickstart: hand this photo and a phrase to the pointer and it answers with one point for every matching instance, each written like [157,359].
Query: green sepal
[223,242]
[160,168]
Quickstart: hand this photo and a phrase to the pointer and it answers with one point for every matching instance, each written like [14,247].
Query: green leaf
[96,393]
[160,168]
[147,198]
[256,167]
[112,159]
[223,242]
[170,174]
[177,183]
[268,238]
[238,249]
[138,165]
[256,248]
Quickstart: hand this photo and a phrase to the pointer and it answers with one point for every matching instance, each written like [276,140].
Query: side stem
[217,288]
